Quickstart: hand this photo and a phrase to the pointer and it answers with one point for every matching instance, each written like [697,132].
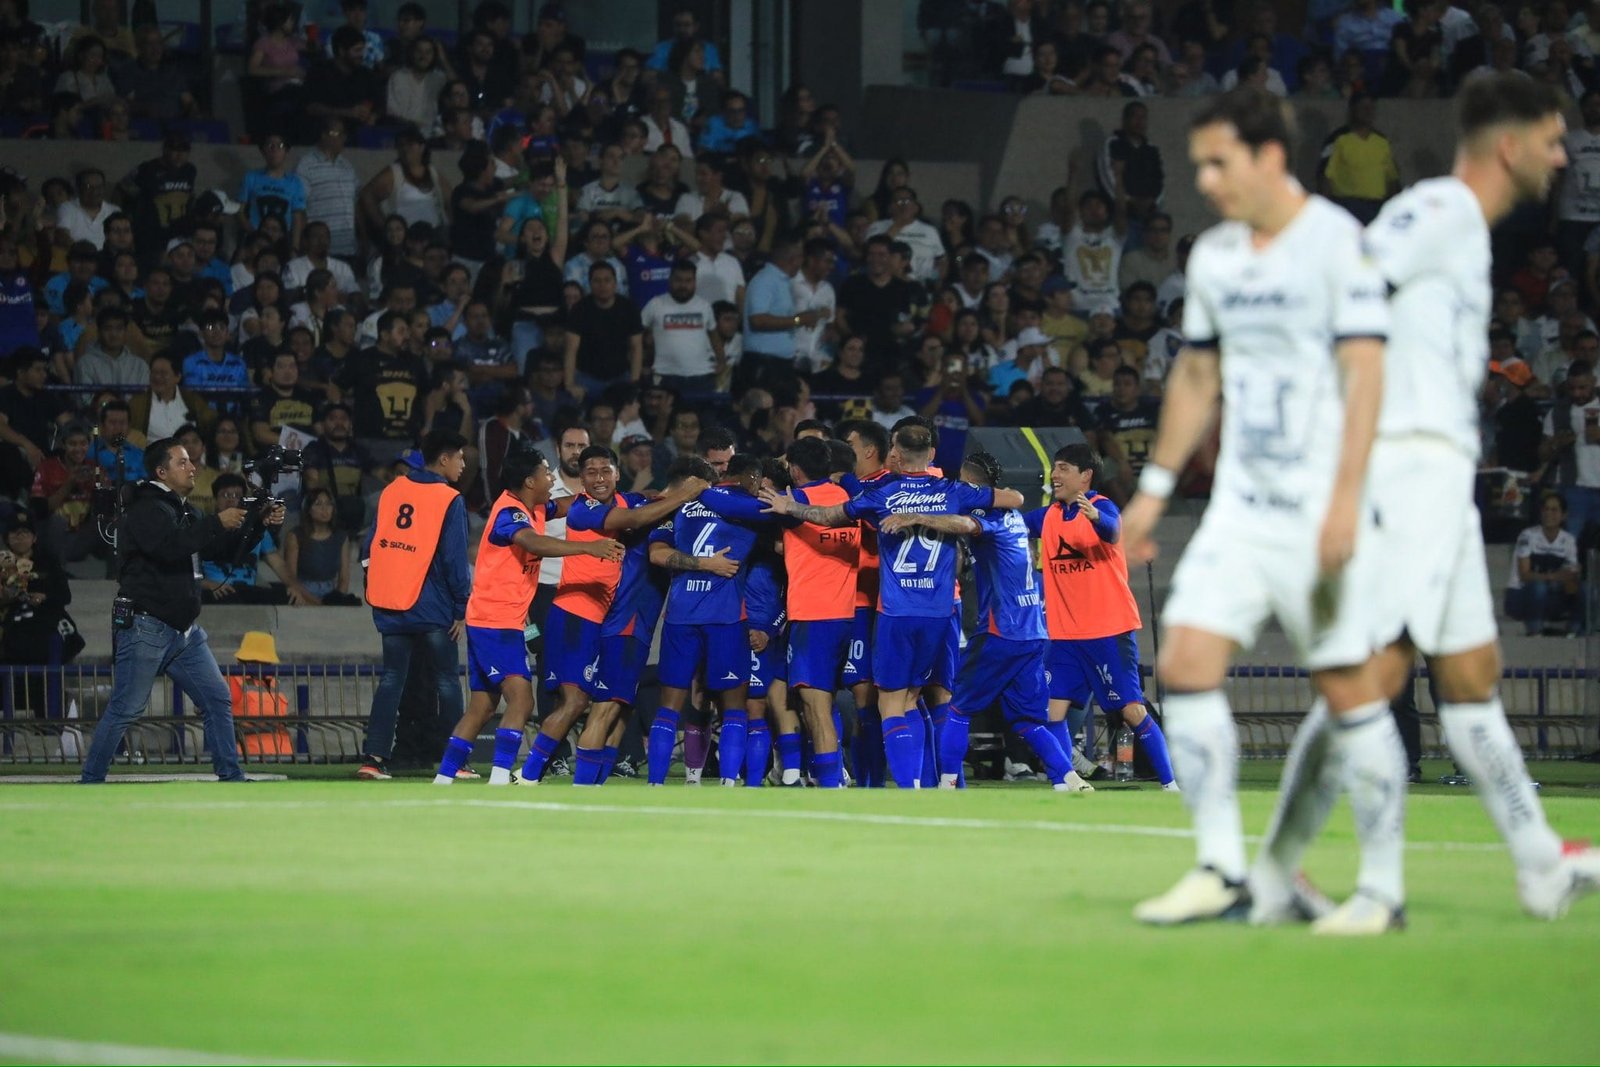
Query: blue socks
[506,744]
[953,742]
[935,720]
[543,748]
[1155,746]
[586,766]
[789,752]
[608,760]
[730,744]
[902,749]
[917,724]
[838,727]
[1047,744]
[757,753]
[825,767]
[663,736]
[866,749]
[456,753]
[1061,731]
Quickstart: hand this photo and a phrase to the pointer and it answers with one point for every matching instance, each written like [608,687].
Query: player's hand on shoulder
[902,520]
[693,487]
[782,503]
[1139,520]
[607,549]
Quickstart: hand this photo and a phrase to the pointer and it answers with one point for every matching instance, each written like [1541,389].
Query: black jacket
[160,536]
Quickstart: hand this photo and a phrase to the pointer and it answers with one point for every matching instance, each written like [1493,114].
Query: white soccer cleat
[517,779]
[443,779]
[1275,901]
[1200,896]
[1363,915]
[1548,894]
[1073,783]
[1170,787]
[733,783]
[691,775]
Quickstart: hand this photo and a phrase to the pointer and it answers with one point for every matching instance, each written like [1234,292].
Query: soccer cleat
[691,775]
[1363,915]
[558,768]
[733,783]
[443,779]
[1273,903]
[1020,772]
[1548,894]
[624,768]
[1073,783]
[1199,896]
[1170,787]
[501,776]
[1101,774]
[517,779]
[372,771]
[467,774]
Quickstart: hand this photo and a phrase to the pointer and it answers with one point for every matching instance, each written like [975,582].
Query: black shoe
[1100,775]
[558,768]
[1414,776]
[624,768]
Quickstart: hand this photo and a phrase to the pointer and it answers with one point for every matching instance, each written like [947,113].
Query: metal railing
[47,714]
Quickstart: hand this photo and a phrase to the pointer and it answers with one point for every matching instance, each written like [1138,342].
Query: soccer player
[704,625]
[917,584]
[1431,244]
[870,442]
[1005,661]
[1284,317]
[504,581]
[821,562]
[766,618]
[578,613]
[1090,610]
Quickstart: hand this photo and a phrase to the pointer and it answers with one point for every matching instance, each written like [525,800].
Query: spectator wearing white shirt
[661,128]
[331,188]
[1545,577]
[596,249]
[718,274]
[905,224]
[314,244]
[680,325]
[813,292]
[710,195]
[85,218]
[609,198]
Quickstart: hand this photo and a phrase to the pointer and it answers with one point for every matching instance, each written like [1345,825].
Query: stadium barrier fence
[48,713]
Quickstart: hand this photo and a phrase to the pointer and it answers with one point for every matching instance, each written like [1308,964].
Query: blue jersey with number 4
[917,566]
[721,518]
[1010,600]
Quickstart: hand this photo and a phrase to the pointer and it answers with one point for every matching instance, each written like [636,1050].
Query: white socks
[1205,758]
[500,776]
[1481,741]
[1372,770]
[1305,797]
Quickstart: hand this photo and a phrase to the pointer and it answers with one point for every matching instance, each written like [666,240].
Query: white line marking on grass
[33,1049]
[932,822]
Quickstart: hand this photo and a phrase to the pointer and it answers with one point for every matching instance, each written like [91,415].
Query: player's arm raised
[621,519]
[546,546]
[958,525]
[1187,415]
[664,555]
[1361,360]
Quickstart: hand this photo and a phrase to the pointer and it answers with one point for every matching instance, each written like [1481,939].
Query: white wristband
[1157,481]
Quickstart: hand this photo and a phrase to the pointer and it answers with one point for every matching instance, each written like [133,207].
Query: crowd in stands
[530,289]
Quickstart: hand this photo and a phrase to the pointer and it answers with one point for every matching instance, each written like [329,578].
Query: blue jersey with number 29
[917,567]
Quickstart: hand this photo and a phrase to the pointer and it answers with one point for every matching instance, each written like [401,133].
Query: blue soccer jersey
[642,590]
[1010,601]
[764,593]
[917,567]
[721,518]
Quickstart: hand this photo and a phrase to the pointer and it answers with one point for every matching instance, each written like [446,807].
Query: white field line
[33,1049]
[931,822]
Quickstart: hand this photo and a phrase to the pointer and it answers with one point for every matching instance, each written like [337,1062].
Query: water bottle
[1123,757]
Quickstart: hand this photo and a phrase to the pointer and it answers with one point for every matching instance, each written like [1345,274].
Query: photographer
[228,576]
[157,606]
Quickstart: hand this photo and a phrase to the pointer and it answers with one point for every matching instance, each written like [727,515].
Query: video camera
[265,469]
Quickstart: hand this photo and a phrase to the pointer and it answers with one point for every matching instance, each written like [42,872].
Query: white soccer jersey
[1431,244]
[1277,313]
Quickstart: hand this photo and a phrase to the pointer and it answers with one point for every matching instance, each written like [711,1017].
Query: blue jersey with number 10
[1010,601]
[721,518]
[917,567]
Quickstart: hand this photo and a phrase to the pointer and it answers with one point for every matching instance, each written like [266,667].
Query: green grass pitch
[322,919]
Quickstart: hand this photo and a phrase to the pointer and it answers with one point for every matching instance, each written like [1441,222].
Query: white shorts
[1232,579]
[1433,582]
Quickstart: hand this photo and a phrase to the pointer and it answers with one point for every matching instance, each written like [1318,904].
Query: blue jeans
[397,652]
[151,648]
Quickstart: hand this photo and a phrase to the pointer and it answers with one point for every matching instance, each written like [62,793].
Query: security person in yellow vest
[417,583]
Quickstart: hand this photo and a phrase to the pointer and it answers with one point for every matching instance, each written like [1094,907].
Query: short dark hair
[110,314]
[1256,116]
[743,463]
[915,420]
[987,465]
[519,465]
[114,405]
[685,467]
[714,437]
[597,452]
[1081,456]
[1498,99]
[776,471]
[810,424]
[914,438]
[841,457]
[812,456]
[869,431]
[159,453]
[228,481]
[440,443]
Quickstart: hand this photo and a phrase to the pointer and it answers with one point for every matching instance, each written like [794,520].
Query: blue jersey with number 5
[917,567]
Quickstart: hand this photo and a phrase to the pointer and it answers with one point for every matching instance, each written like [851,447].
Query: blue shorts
[768,666]
[1009,671]
[1106,667]
[906,650]
[817,652]
[621,665]
[571,650]
[948,667]
[493,656]
[723,648]
[858,658]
